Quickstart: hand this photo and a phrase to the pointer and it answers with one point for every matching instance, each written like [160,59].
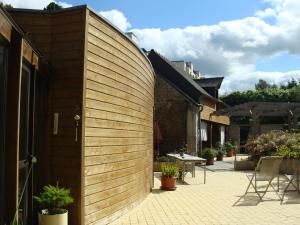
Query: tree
[291,84]
[6,6]
[262,84]
[53,7]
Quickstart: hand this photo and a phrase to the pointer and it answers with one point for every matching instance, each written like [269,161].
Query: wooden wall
[60,38]
[118,123]
[208,109]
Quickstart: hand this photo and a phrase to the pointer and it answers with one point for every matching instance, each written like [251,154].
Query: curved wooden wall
[118,131]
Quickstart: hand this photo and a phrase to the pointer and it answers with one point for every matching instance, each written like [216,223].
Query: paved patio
[212,203]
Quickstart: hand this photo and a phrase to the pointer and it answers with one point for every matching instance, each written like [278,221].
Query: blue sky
[177,13]
[242,40]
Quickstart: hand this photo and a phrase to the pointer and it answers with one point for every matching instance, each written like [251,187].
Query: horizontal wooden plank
[125,63]
[144,108]
[97,38]
[101,60]
[91,189]
[114,38]
[100,132]
[97,141]
[109,210]
[111,150]
[106,115]
[105,106]
[105,75]
[99,160]
[132,97]
[100,196]
[103,123]
[116,170]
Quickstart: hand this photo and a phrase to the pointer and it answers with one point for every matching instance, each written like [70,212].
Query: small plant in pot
[52,201]
[230,148]
[220,151]
[209,154]
[169,173]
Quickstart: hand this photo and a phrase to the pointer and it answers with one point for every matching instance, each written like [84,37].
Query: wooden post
[12,126]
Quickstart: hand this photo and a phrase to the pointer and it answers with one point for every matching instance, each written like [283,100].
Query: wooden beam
[12,125]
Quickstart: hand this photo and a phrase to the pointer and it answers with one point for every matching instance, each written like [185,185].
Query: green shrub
[220,149]
[209,153]
[163,159]
[229,146]
[169,170]
[53,199]
[274,143]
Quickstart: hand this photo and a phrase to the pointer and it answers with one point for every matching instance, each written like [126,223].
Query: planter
[287,166]
[220,157]
[229,153]
[209,162]
[168,183]
[244,165]
[58,219]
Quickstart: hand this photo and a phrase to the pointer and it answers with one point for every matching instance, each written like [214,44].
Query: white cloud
[266,13]
[117,18]
[232,48]
[34,4]
[65,4]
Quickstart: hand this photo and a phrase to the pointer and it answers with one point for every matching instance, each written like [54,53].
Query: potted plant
[209,154]
[168,176]
[230,148]
[52,201]
[220,151]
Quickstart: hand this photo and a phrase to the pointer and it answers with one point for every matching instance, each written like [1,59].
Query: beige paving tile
[212,203]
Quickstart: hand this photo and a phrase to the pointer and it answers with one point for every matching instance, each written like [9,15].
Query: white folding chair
[266,170]
[293,179]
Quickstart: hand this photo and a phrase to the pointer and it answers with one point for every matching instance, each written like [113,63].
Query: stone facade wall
[171,114]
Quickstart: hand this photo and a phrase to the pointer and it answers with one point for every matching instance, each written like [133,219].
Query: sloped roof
[210,82]
[182,81]
[261,109]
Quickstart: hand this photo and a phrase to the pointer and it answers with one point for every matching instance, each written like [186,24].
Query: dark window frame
[3,93]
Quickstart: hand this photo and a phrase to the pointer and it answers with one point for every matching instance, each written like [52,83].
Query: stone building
[183,107]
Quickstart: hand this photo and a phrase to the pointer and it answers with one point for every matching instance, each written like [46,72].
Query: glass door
[3,77]
[25,143]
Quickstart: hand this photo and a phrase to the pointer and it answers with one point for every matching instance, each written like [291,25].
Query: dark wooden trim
[12,126]
[86,15]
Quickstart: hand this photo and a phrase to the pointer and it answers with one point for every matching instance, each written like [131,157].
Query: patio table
[186,158]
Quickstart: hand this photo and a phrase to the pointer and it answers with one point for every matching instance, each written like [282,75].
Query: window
[203,131]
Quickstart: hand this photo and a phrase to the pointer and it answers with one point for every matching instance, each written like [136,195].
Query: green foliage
[285,93]
[220,148]
[163,159]
[169,170]
[52,6]
[262,84]
[275,143]
[209,153]
[6,6]
[229,146]
[54,199]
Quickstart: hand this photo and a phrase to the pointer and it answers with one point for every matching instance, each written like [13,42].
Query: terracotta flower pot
[168,183]
[219,157]
[229,153]
[209,162]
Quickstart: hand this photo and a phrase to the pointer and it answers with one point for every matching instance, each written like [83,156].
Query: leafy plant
[220,148]
[229,146]
[274,143]
[53,199]
[169,170]
[209,153]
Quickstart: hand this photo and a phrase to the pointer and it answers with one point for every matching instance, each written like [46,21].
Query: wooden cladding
[118,122]
[99,74]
